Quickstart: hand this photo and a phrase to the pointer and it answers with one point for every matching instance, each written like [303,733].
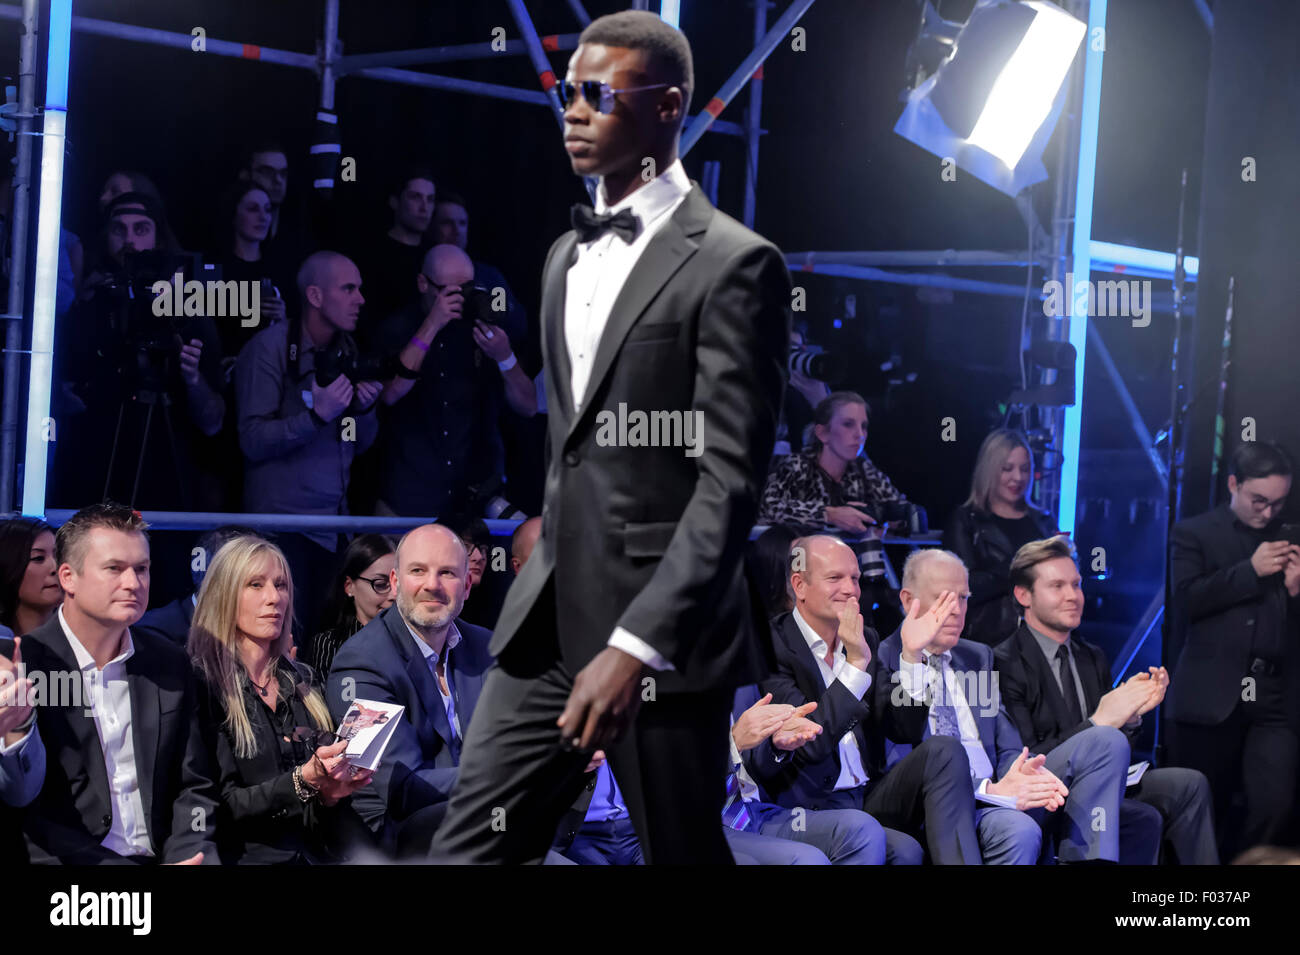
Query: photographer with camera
[832,483]
[808,365]
[306,404]
[442,442]
[139,384]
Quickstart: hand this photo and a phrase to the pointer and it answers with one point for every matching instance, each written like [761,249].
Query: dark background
[832,176]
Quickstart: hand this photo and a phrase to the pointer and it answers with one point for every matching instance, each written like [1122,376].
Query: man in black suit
[419,655]
[129,776]
[1235,708]
[1051,677]
[825,654]
[661,311]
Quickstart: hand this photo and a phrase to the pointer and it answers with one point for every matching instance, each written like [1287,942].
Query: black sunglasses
[600,96]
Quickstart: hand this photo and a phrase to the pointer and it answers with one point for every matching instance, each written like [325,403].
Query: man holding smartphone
[1235,699]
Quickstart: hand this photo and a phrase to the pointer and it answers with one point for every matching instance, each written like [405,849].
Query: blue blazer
[998,734]
[382,662]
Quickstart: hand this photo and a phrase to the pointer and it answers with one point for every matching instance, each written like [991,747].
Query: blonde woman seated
[285,784]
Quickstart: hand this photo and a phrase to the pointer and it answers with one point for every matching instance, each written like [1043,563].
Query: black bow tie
[591,225]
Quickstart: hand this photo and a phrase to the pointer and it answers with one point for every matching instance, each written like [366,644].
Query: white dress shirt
[748,788]
[109,696]
[918,680]
[593,284]
[852,771]
[432,659]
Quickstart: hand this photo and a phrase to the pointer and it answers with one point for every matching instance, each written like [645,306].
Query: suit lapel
[146,715]
[555,351]
[666,252]
[81,725]
[417,668]
[1037,663]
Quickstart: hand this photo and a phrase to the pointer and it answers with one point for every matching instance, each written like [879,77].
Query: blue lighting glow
[40,427]
[670,11]
[1081,261]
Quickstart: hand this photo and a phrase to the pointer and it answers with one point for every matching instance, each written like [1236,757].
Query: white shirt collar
[453,638]
[815,643]
[654,198]
[84,660]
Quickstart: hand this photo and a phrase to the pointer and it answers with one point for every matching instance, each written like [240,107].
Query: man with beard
[419,655]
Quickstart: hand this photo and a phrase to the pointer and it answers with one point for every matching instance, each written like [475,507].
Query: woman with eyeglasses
[361,591]
[284,781]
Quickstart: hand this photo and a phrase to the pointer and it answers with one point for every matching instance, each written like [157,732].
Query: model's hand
[603,701]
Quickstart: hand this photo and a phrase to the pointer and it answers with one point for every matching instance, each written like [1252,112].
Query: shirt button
[107,820]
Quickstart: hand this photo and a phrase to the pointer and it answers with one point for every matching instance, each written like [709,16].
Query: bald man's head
[928,574]
[443,265]
[329,285]
[522,542]
[824,577]
[431,577]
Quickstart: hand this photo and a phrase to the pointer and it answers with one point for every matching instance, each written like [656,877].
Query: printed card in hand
[368,726]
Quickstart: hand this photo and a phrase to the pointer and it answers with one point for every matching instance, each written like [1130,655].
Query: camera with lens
[477,303]
[912,516]
[488,500]
[342,357]
[813,361]
[145,344]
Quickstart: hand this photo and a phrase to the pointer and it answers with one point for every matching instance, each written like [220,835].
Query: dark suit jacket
[648,538]
[805,777]
[1032,696]
[73,813]
[983,546]
[1217,598]
[171,621]
[381,662]
[1001,741]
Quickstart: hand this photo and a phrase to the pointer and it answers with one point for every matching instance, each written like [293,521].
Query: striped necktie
[735,815]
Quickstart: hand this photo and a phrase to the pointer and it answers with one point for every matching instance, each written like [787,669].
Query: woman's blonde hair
[995,450]
[214,639]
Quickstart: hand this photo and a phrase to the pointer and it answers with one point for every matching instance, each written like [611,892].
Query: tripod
[151,399]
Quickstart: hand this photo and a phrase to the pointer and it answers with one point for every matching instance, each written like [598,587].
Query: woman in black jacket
[284,780]
[995,522]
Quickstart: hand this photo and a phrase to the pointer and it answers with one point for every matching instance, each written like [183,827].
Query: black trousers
[515,783]
[1254,751]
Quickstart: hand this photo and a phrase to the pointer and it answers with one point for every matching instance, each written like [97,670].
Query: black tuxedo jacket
[648,538]
[174,766]
[1217,598]
[805,777]
[1031,694]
